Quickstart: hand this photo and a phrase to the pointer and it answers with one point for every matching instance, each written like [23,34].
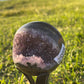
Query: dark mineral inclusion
[34,47]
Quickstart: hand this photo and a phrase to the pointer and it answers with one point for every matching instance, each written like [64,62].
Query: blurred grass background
[66,15]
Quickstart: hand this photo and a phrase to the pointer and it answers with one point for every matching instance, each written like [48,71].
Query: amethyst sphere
[37,48]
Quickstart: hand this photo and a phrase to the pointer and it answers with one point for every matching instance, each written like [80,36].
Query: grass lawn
[66,15]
